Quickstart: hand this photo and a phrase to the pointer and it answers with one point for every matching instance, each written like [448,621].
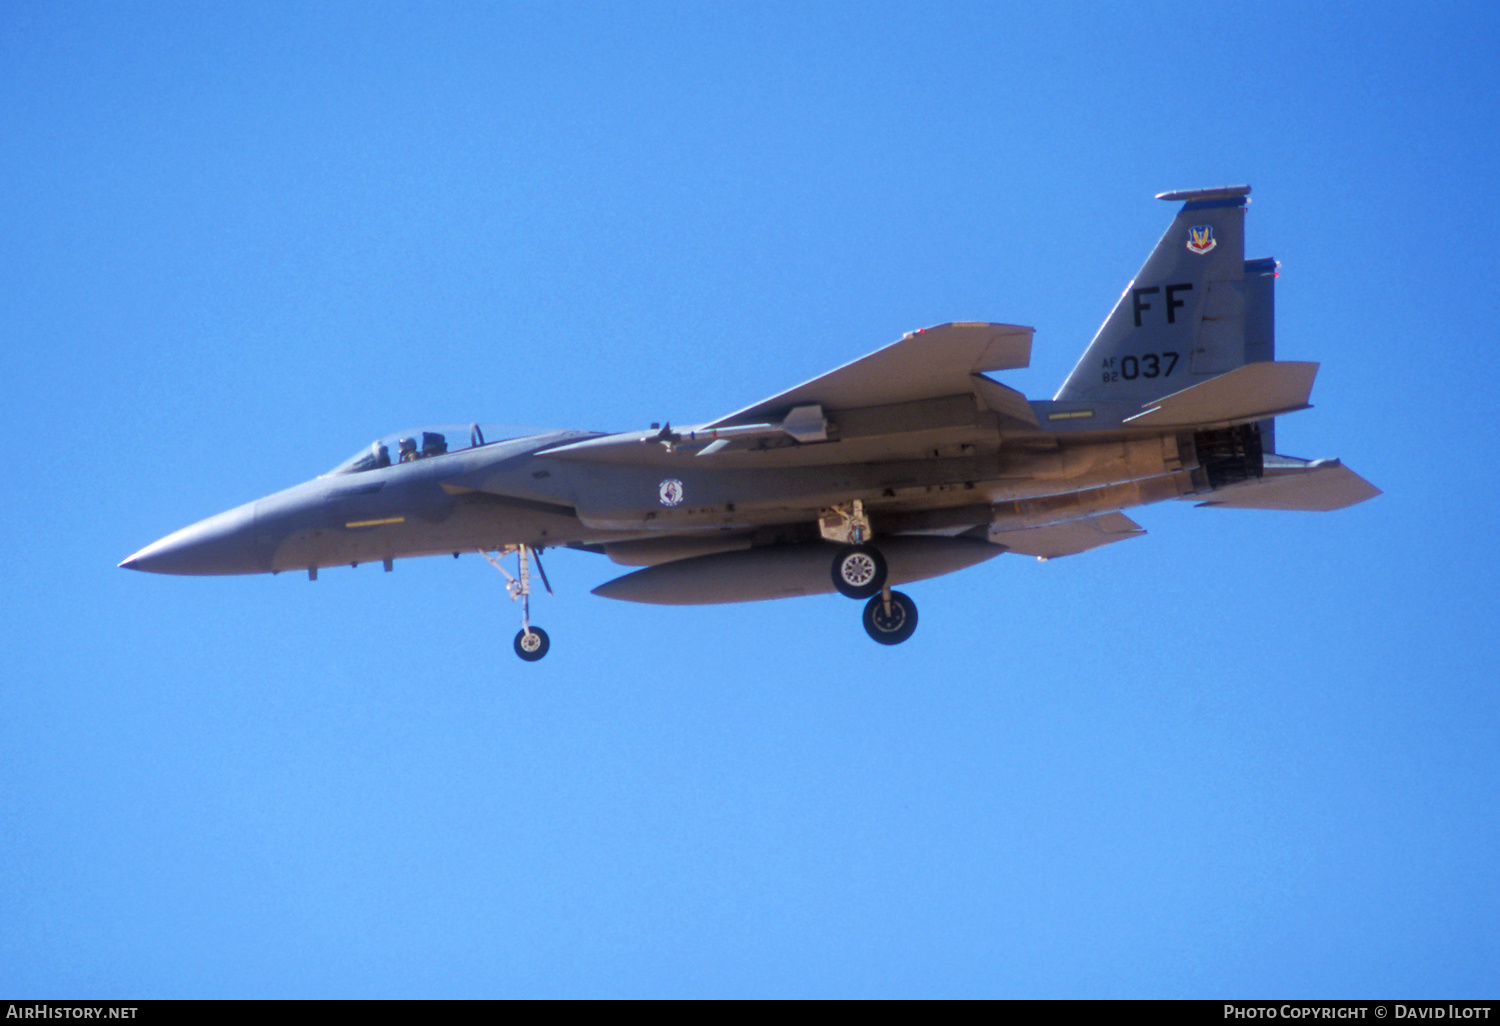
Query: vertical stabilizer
[1189,315]
[1260,327]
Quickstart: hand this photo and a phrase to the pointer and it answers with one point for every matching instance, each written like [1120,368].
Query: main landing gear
[531,642]
[859,572]
[890,617]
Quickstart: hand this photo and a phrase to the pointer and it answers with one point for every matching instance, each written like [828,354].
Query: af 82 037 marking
[1147,365]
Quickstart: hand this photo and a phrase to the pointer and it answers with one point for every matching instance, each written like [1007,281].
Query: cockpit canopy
[425,443]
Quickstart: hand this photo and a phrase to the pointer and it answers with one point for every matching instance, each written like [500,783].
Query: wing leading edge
[926,364]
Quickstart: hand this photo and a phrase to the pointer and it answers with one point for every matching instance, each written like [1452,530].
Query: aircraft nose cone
[222,544]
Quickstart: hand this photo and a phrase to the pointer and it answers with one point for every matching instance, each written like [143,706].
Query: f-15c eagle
[906,464]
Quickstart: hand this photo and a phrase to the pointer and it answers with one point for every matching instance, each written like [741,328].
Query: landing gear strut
[858,567]
[531,642]
[890,617]
[859,572]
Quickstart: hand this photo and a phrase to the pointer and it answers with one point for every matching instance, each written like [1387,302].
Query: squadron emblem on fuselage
[670,492]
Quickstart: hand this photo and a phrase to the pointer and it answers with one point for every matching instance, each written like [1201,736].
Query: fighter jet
[905,464]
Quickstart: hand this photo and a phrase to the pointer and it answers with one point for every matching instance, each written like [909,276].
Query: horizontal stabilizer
[1246,393]
[1070,538]
[926,364]
[1293,484]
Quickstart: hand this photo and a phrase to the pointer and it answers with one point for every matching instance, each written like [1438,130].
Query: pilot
[382,455]
[408,449]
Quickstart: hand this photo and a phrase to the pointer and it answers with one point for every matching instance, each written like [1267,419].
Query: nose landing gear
[531,642]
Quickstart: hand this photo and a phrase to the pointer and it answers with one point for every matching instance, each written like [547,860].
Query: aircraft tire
[533,648]
[858,571]
[894,627]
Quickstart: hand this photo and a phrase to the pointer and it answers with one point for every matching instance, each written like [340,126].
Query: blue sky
[1250,754]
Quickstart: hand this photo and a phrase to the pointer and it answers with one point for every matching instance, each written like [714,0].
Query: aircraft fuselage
[907,463]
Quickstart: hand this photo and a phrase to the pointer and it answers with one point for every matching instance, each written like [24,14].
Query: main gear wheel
[858,571]
[890,618]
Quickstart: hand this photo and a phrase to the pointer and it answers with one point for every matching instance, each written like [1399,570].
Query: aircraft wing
[1070,538]
[926,364]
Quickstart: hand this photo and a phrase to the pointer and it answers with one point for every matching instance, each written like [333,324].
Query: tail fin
[1195,309]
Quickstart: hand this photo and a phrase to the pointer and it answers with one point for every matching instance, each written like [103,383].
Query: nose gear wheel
[532,642]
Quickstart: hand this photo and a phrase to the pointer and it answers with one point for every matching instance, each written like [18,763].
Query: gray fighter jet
[905,464]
